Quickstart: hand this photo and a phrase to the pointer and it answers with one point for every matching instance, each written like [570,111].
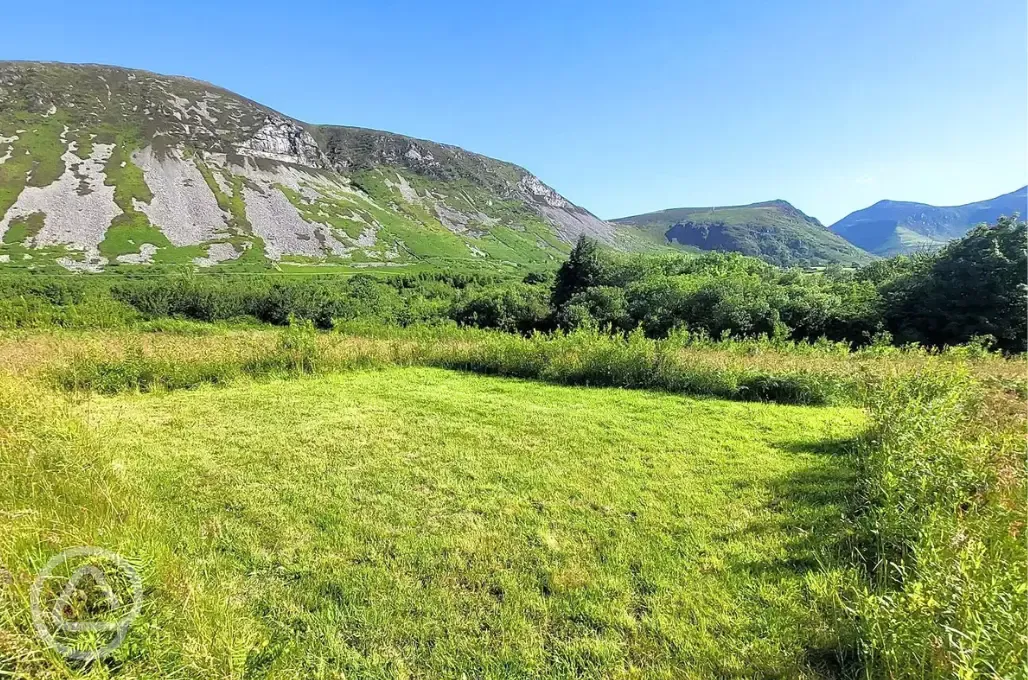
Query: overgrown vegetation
[583,357]
[940,530]
[972,288]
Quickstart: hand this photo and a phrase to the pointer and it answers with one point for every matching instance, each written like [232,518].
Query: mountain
[895,227]
[773,230]
[111,168]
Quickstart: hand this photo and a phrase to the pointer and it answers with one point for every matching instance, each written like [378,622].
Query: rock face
[284,141]
[570,220]
[354,149]
[127,168]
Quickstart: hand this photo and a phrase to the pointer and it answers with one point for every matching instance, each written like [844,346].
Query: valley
[292,400]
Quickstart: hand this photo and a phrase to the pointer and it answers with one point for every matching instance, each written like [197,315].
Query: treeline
[974,289]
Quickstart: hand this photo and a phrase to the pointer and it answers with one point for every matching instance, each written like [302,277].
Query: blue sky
[623,107]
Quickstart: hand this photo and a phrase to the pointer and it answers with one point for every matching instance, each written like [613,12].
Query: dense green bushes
[319,300]
[940,531]
[46,302]
[514,308]
[974,288]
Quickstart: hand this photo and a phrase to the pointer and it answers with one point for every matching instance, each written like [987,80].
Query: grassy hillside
[774,231]
[896,227]
[105,168]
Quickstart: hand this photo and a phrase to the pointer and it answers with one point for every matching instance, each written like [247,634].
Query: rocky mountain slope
[773,230]
[894,227]
[104,167]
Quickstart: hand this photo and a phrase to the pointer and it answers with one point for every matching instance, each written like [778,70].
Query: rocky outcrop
[570,220]
[286,142]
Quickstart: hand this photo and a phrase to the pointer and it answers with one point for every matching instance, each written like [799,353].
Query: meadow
[417,522]
[444,502]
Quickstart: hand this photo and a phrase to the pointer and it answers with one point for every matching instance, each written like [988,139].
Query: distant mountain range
[774,231]
[894,227]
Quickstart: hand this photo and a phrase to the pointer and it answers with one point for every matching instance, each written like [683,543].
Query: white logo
[103,636]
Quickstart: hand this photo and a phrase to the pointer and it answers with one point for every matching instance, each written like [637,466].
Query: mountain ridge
[105,166]
[891,227]
[176,170]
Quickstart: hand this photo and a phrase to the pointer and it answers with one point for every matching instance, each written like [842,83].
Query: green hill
[105,168]
[773,230]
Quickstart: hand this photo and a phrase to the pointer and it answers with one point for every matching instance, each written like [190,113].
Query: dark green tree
[583,269]
[974,287]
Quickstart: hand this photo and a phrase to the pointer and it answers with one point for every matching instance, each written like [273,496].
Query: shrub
[513,308]
[605,306]
[942,492]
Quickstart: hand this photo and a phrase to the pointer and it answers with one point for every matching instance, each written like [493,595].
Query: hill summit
[775,231]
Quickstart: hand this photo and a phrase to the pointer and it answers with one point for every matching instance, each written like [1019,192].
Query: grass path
[423,523]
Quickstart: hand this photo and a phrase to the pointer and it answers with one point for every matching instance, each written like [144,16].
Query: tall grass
[941,531]
[297,352]
[592,357]
[57,491]
[62,486]
[585,357]
[184,354]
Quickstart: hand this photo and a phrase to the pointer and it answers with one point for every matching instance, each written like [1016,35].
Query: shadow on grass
[811,507]
[825,447]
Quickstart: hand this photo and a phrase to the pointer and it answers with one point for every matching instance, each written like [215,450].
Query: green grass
[423,523]
[130,230]
[24,228]
[41,139]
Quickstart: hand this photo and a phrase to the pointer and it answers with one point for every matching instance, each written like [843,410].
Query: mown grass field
[414,522]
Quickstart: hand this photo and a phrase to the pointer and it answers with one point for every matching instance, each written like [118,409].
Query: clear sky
[623,107]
